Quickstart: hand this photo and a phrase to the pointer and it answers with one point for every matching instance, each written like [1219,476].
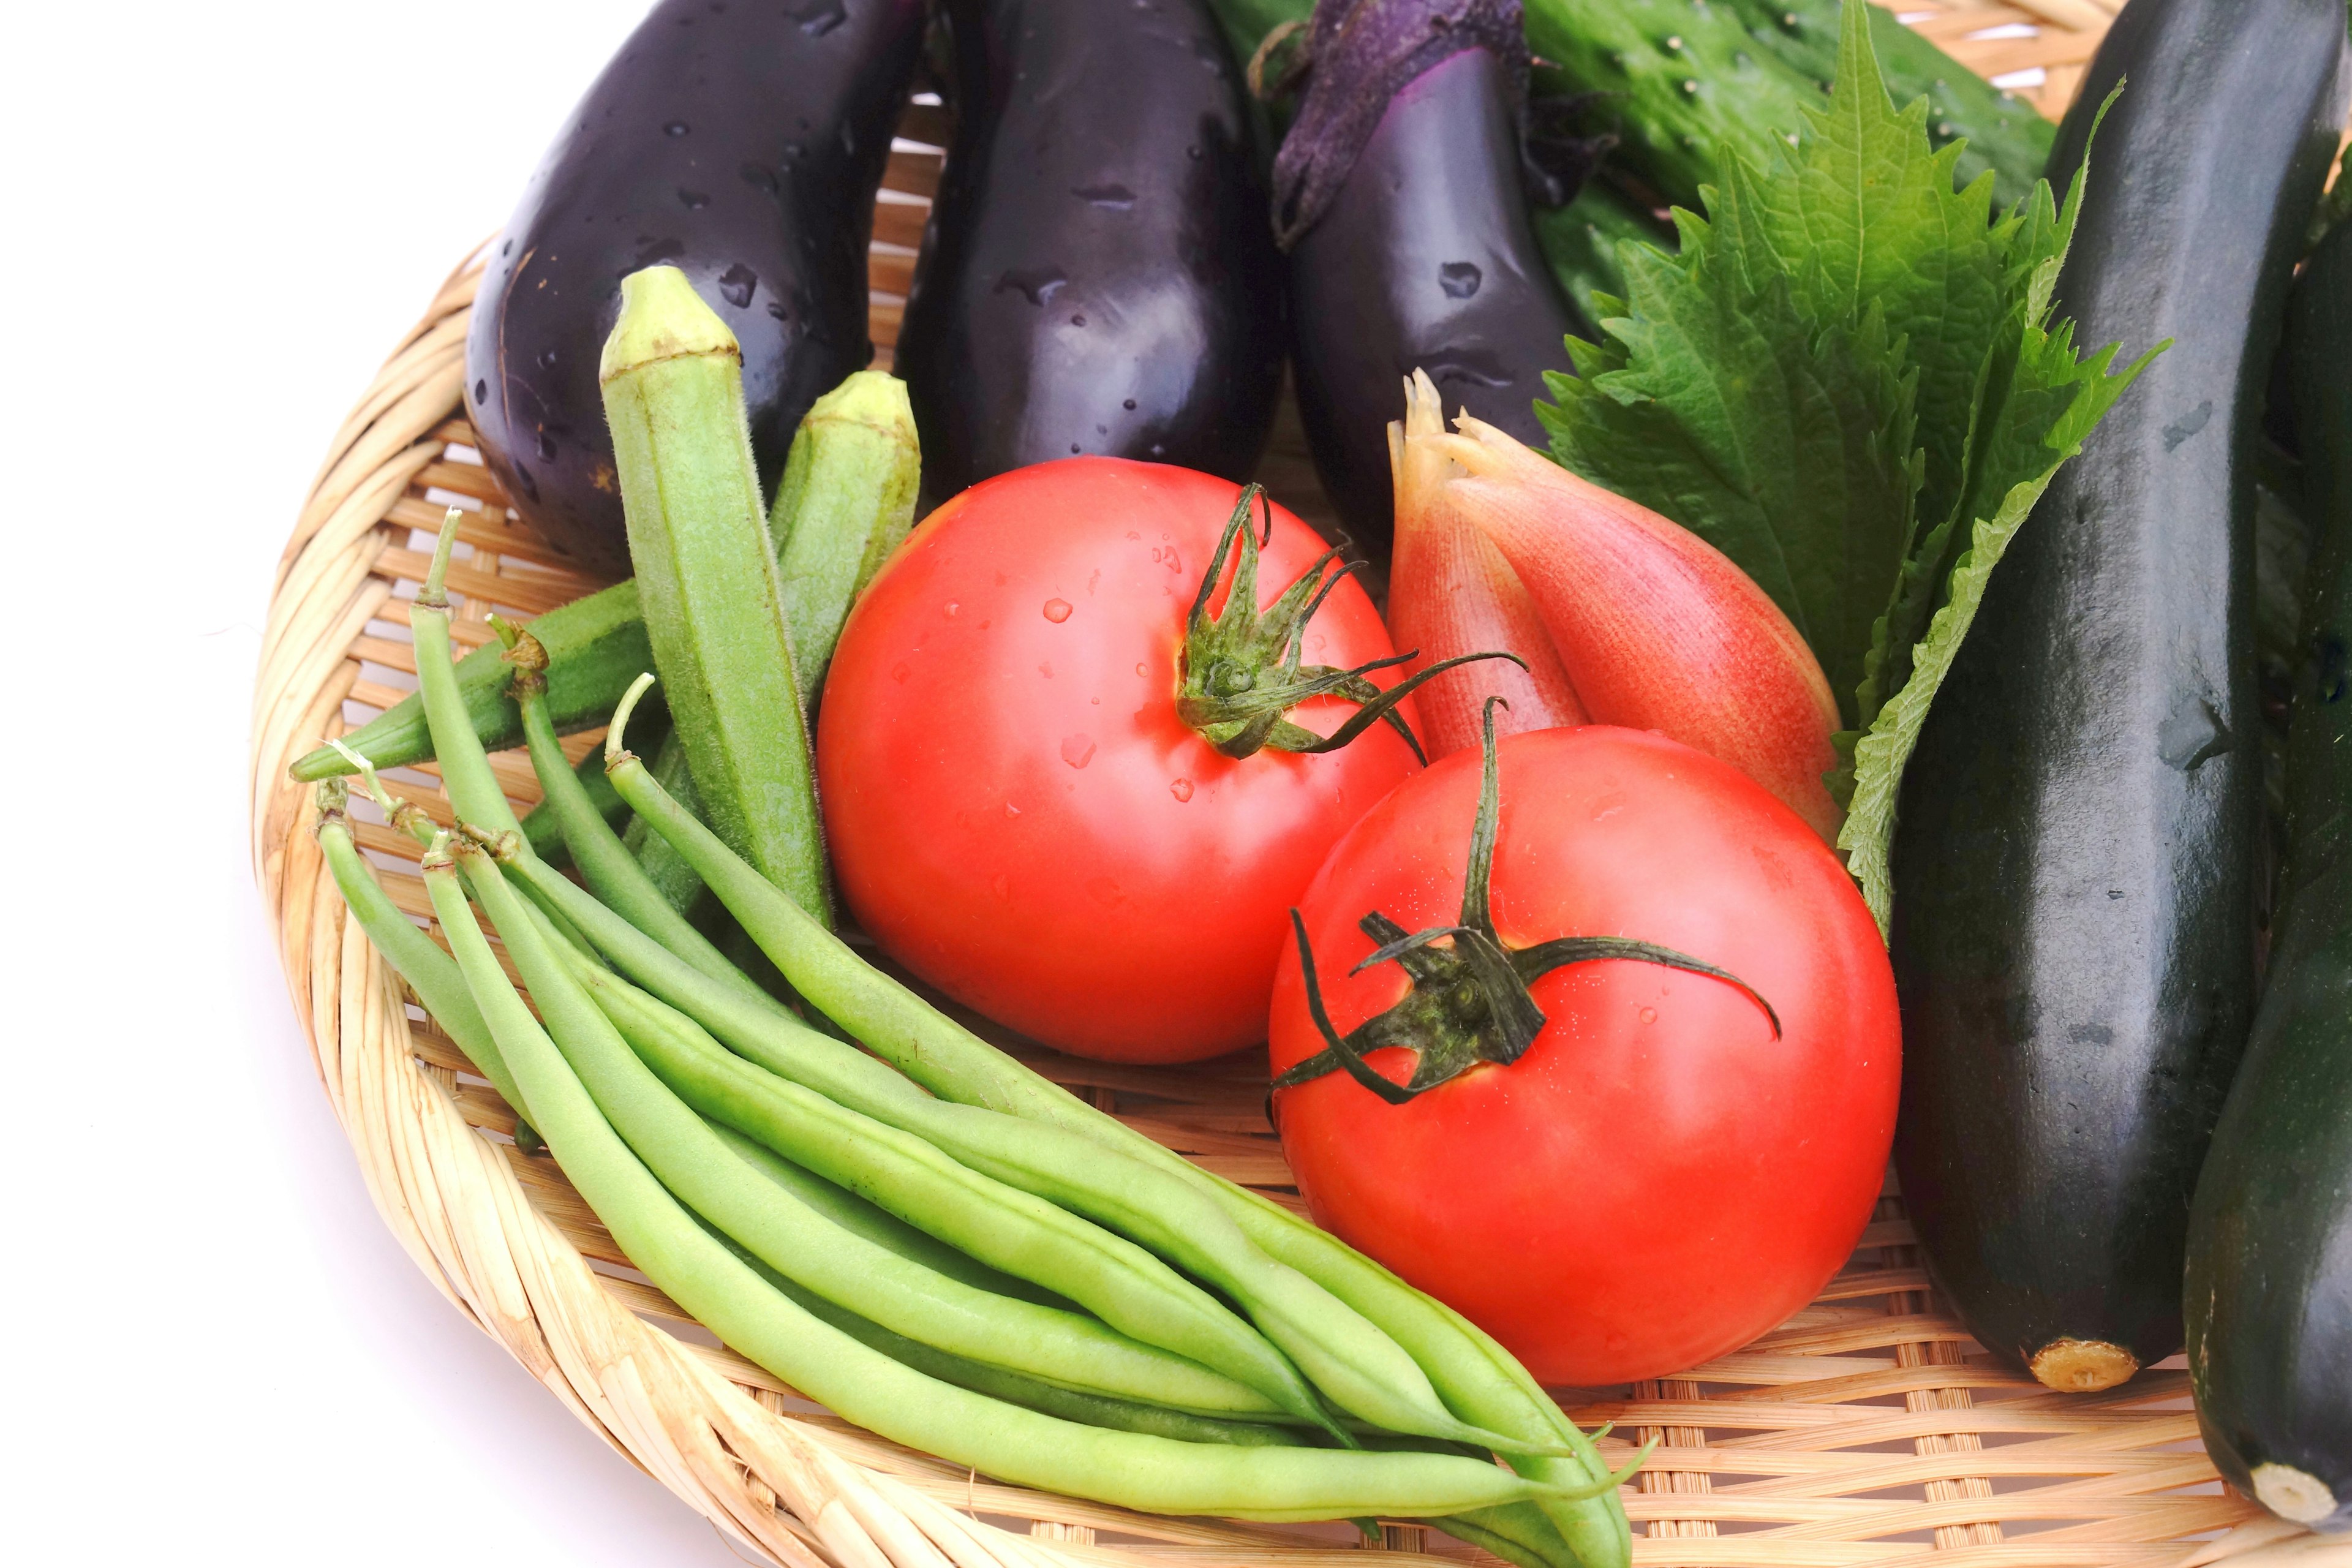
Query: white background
[219,218]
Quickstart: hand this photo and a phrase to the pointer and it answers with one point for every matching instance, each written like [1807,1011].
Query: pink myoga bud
[1452,592]
[1653,627]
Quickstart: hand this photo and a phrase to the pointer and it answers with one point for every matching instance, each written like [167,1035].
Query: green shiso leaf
[1847,383]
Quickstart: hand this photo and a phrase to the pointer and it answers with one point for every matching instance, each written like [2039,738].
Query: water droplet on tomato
[1078,749]
[1057,610]
[952,608]
[1182,788]
[1010,809]
[1139,669]
[1649,1014]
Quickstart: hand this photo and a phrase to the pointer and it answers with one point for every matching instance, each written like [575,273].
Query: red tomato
[1657,1179]
[1015,810]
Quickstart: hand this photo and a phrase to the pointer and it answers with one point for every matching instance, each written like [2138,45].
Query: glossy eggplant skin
[1098,274]
[2269,1297]
[2076,866]
[740,141]
[1424,258]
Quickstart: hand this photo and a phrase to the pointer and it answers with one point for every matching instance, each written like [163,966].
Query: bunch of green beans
[931,1240]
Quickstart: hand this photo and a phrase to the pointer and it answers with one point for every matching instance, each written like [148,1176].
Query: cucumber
[596,646]
[1677,77]
[1580,243]
[2269,1297]
[1683,75]
[2075,864]
[2004,132]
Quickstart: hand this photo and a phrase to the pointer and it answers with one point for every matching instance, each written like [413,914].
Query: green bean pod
[612,872]
[1010,1230]
[544,834]
[846,501]
[663,866]
[430,972]
[707,576]
[870,1390]
[705,1174]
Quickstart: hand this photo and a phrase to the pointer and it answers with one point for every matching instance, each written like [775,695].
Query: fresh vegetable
[2076,861]
[596,646]
[702,1274]
[1451,592]
[708,577]
[1582,239]
[1681,80]
[540,829]
[845,502]
[1398,194]
[604,863]
[670,875]
[1494,1132]
[742,144]
[1654,629]
[1096,275]
[1468,1371]
[1847,382]
[1068,786]
[2269,1297]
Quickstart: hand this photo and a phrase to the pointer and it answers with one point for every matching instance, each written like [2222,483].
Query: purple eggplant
[1399,194]
[740,141]
[1097,276]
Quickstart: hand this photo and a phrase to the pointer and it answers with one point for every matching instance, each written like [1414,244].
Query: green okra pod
[845,502]
[707,577]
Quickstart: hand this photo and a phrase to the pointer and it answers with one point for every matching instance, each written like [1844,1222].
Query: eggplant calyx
[1359,55]
[1241,674]
[1470,1001]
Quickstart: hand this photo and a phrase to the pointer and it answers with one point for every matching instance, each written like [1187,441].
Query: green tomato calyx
[1242,673]
[1470,1001]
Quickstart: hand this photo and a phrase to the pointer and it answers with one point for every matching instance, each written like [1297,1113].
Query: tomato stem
[1470,1001]
[1242,672]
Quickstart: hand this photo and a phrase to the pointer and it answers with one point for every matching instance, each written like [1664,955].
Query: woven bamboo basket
[1867,1429]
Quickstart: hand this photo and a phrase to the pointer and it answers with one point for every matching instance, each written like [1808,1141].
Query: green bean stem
[870,1390]
[707,575]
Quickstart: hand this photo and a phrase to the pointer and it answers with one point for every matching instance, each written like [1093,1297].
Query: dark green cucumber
[1683,76]
[1580,243]
[2269,1299]
[2075,866]
[596,646]
[2004,132]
